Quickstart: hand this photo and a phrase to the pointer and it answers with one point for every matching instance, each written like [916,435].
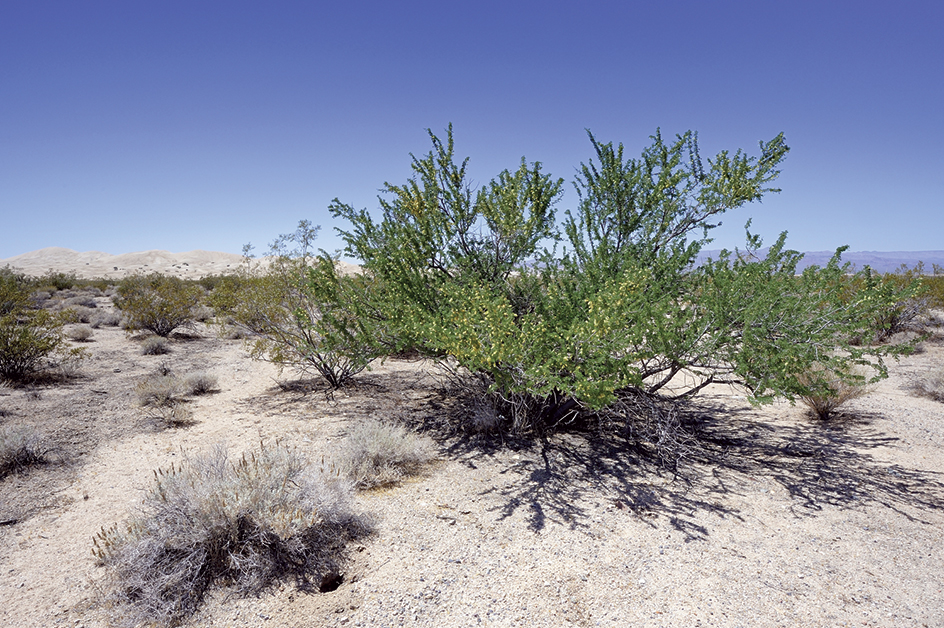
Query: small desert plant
[930,385]
[80,333]
[376,453]
[155,345]
[158,390]
[79,313]
[269,515]
[157,303]
[200,383]
[20,447]
[104,319]
[827,390]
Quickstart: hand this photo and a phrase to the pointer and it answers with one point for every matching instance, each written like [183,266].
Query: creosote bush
[30,339]
[375,453]
[210,521]
[298,311]
[158,303]
[616,317]
[20,447]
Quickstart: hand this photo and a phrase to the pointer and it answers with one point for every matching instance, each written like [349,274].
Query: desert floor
[780,520]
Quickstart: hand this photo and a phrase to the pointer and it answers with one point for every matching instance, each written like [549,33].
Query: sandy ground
[780,520]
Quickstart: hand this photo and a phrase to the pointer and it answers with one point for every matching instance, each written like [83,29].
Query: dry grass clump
[930,385]
[200,383]
[247,523]
[20,447]
[376,453]
[158,390]
[155,345]
[104,319]
[829,391]
[85,300]
[81,333]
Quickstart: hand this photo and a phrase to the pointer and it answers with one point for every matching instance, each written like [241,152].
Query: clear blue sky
[132,125]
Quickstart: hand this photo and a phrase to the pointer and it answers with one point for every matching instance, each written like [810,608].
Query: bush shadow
[567,477]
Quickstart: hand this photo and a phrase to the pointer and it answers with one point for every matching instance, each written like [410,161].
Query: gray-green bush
[375,453]
[155,345]
[210,521]
[21,446]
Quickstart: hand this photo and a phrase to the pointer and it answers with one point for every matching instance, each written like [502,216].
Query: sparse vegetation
[20,447]
[159,390]
[299,312]
[211,521]
[375,453]
[930,385]
[200,383]
[158,303]
[155,345]
[80,333]
[828,390]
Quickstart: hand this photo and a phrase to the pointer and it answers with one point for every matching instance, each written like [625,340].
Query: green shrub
[300,312]
[207,522]
[29,338]
[625,318]
[20,447]
[158,303]
[376,453]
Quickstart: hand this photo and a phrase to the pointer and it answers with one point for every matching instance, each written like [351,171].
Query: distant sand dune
[91,264]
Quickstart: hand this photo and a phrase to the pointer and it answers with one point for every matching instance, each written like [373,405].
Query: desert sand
[780,520]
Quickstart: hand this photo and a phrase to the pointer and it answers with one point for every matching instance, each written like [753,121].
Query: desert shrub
[157,303]
[626,315]
[104,319]
[210,521]
[930,385]
[300,312]
[79,313]
[375,453]
[200,383]
[159,390]
[80,333]
[20,447]
[38,298]
[155,345]
[85,300]
[827,390]
[29,338]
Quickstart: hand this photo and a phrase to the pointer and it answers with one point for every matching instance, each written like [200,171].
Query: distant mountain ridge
[879,261]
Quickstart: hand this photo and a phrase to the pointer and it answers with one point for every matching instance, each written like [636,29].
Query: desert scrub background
[158,303]
[299,312]
[246,523]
